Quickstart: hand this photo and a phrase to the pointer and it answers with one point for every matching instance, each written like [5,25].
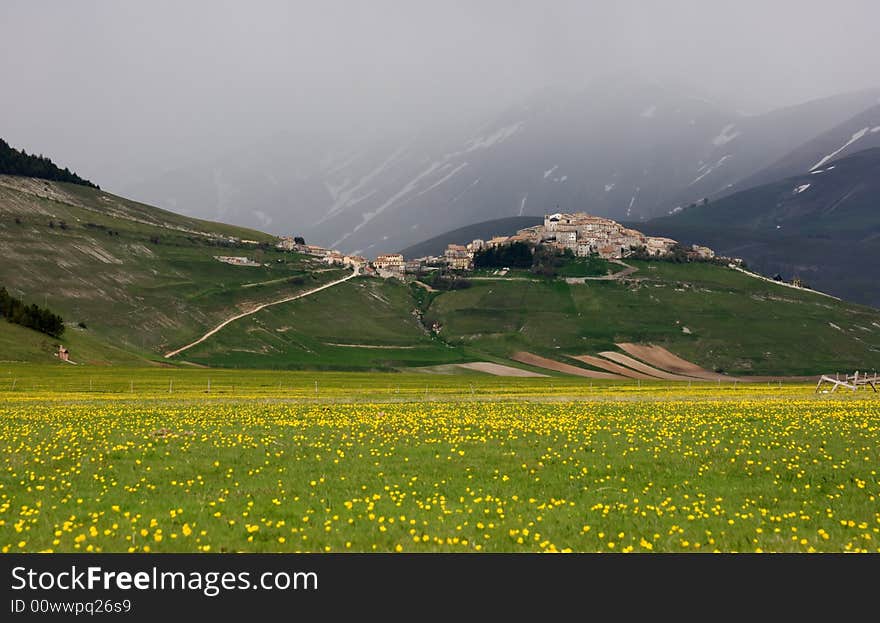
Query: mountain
[133,282]
[822,225]
[619,148]
[856,134]
[483,231]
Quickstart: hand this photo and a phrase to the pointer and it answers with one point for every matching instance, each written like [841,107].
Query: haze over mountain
[621,148]
[316,96]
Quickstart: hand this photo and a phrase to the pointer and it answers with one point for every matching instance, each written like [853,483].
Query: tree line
[515,255]
[31,316]
[541,260]
[18,162]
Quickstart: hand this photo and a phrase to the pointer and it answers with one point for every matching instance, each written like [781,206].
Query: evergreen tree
[18,162]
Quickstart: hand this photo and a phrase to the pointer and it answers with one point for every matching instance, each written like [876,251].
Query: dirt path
[425,286]
[626,272]
[504,279]
[383,346]
[172,353]
[781,283]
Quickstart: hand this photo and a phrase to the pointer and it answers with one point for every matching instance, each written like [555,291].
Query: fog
[123,90]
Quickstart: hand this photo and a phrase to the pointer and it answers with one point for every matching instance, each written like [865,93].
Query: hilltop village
[579,234]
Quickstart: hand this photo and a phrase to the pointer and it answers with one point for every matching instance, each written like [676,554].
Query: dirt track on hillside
[172,353]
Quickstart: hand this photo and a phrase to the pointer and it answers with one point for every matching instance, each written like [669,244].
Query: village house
[458,257]
[354,261]
[286,243]
[390,265]
[703,253]
[312,249]
[656,245]
[476,245]
[334,258]
[415,266]
[236,260]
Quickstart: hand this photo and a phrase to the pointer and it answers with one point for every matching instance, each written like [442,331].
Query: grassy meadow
[134,459]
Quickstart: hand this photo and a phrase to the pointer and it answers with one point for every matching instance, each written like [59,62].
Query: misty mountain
[630,151]
[858,133]
[822,226]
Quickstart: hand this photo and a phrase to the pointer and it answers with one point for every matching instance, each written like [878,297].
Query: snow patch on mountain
[649,112]
[726,135]
[344,197]
[499,136]
[706,170]
[409,187]
[632,202]
[549,171]
[522,205]
[471,185]
[609,188]
[444,178]
[856,136]
[801,188]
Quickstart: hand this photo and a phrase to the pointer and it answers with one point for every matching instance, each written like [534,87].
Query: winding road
[172,353]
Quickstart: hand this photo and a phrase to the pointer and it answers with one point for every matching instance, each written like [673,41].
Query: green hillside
[133,282]
[720,318]
[365,323]
[735,323]
[141,280]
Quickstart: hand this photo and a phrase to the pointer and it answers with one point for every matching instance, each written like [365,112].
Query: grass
[156,267]
[361,324]
[166,294]
[111,460]
[20,344]
[587,267]
[735,323]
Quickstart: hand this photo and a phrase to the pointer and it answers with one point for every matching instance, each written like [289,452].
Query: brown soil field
[558,366]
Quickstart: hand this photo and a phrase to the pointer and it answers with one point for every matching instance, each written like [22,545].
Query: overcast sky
[119,89]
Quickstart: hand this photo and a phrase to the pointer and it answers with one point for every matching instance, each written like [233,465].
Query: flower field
[535,468]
